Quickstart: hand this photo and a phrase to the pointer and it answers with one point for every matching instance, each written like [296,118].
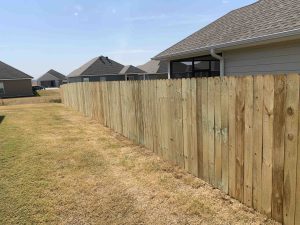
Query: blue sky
[36,35]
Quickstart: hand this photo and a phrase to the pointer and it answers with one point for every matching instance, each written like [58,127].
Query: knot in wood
[290,111]
[290,137]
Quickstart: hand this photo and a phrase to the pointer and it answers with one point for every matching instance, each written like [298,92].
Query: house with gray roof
[51,79]
[13,82]
[133,73]
[260,38]
[155,69]
[98,69]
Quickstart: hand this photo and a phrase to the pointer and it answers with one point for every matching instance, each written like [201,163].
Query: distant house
[13,82]
[155,69]
[98,69]
[260,38]
[133,73]
[51,79]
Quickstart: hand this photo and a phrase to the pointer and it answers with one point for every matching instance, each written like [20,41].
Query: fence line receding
[240,134]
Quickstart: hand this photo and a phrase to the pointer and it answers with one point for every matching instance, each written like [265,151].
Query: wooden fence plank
[291,148]
[248,156]
[231,136]
[268,144]
[224,133]
[211,129]
[186,112]
[257,140]
[199,127]
[204,122]
[278,150]
[218,138]
[176,136]
[193,126]
[240,137]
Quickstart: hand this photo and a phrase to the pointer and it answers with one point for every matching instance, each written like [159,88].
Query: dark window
[182,69]
[205,66]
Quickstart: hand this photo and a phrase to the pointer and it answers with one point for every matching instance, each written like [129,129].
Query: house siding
[274,58]
[17,88]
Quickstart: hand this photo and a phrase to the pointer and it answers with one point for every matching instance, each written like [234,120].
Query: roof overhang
[261,40]
[17,79]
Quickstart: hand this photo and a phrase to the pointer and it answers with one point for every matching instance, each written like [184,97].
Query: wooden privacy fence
[240,134]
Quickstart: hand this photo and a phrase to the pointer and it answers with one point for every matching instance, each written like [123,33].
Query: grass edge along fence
[240,134]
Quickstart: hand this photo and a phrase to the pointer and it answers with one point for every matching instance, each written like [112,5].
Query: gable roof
[52,75]
[154,66]
[8,72]
[263,20]
[131,69]
[98,66]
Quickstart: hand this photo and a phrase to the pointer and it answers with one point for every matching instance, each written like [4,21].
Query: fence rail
[240,134]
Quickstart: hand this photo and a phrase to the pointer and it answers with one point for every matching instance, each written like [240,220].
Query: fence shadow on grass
[1,119]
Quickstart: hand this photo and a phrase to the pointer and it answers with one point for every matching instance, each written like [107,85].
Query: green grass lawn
[58,167]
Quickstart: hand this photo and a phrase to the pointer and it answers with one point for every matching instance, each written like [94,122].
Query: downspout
[222,64]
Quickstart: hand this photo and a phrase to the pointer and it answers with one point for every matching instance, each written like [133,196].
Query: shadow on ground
[1,119]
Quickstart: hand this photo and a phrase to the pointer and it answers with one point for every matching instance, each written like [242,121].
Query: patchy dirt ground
[58,167]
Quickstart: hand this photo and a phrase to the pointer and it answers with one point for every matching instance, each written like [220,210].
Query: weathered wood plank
[291,148]
[199,128]
[278,149]
[204,122]
[211,130]
[224,133]
[232,136]
[248,156]
[240,137]
[257,140]
[268,144]
[218,138]
[193,127]
[176,140]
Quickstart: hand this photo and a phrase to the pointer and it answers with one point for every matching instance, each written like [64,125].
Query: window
[182,69]
[2,92]
[86,79]
[204,66]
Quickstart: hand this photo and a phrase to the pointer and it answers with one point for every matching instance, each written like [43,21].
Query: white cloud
[225,1]
[78,9]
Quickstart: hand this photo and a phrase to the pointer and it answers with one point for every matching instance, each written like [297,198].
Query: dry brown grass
[45,96]
[58,167]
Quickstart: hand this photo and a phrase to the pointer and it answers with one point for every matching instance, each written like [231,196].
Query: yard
[44,96]
[58,167]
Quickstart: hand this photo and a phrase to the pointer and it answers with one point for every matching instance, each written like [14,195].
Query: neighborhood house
[104,69]
[13,82]
[261,38]
[52,79]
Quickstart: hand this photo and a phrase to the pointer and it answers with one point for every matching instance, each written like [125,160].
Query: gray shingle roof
[52,75]
[261,19]
[131,70]
[155,66]
[10,73]
[98,66]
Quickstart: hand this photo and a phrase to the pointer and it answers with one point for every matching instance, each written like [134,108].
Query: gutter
[242,42]
[222,63]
